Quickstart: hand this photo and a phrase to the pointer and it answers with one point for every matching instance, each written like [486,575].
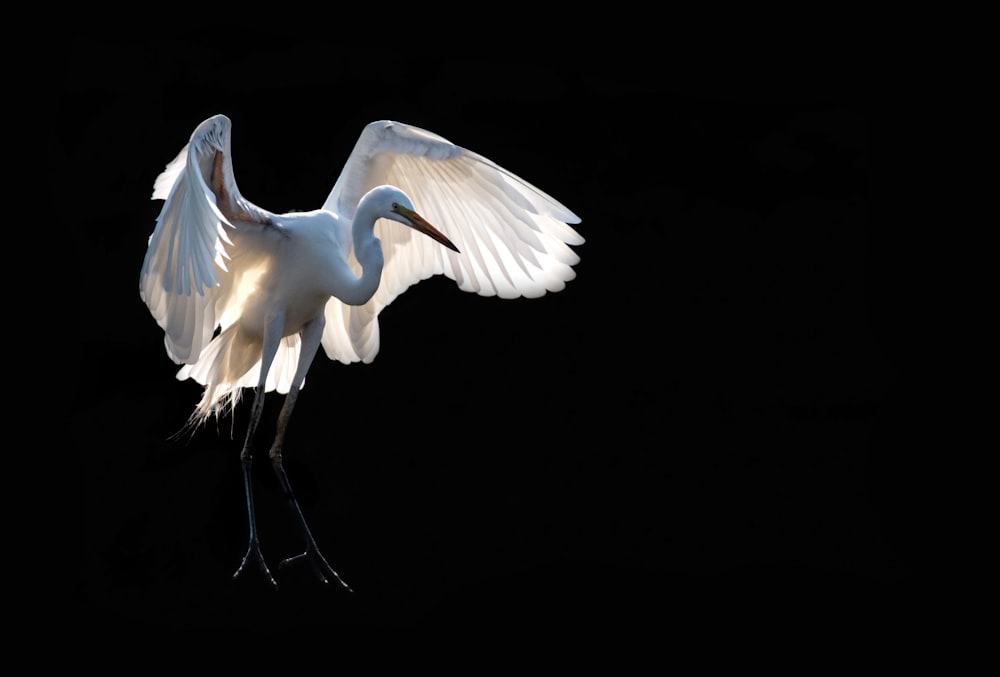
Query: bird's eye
[395,206]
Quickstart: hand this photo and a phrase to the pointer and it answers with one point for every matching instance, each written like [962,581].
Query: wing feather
[184,278]
[186,282]
[179,278]
[515,240]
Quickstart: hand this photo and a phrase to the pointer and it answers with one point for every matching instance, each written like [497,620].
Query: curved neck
[368,250]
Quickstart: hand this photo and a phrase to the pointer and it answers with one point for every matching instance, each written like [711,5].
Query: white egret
[246,296]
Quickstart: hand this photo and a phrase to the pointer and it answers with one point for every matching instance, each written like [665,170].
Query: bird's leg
[322,568]
[254,555]
[311,335]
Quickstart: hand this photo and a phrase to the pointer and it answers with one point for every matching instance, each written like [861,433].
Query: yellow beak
[420,224]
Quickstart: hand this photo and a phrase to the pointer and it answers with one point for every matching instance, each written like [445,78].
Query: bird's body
[285,275]
[246,297]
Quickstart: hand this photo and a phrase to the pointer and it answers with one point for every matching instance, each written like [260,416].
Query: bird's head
[396,205]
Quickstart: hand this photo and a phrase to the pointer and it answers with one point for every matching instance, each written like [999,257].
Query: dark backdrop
[698,427]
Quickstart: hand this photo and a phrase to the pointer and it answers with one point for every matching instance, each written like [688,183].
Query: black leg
[311,335]
[254,554]
[322,568]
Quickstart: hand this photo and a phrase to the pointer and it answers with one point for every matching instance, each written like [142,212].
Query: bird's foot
[319,564]
[254,555]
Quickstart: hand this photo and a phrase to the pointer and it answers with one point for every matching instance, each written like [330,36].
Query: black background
[699,427]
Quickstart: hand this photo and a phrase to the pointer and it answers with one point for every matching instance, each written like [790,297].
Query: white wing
[186,282]
[514,239]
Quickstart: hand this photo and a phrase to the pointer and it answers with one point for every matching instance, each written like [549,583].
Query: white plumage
[246,297]
[514,241]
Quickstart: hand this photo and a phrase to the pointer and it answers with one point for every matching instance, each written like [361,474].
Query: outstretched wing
[514,239]
[184,280]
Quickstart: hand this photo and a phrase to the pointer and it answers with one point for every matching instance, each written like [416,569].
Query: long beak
[420,224]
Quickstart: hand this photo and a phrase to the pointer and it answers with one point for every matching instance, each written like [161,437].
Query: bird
[246,296]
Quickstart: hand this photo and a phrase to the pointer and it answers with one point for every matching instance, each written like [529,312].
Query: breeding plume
[246,297]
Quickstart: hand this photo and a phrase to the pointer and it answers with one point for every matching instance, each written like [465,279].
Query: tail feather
[230,363]
[225,367]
